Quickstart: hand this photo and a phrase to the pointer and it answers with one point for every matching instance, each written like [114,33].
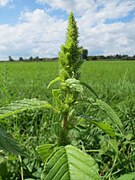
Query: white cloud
[95,34]
[116,9]
[4,2]
[110,39]
[106,7]
[70,5]
[37,34]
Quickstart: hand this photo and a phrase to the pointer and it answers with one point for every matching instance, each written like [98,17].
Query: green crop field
[114,82]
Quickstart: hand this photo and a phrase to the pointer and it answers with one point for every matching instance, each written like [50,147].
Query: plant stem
[65,122]
[113,165]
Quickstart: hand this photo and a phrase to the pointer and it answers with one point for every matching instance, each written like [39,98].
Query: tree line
[33,59]
[85,56]
[117,57]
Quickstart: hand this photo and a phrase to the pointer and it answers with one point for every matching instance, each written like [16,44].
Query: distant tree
[10,58]
[36,58]
[85,54]
[118,56]
[109,57]
[124,57]
[21,59]
[94,58]
[102,57]
[31,58]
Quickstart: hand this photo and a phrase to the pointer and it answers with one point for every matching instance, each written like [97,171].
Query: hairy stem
[65,122]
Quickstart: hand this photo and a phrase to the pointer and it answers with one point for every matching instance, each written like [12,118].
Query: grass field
[114,82]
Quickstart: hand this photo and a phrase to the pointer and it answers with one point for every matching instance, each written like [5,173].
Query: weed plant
[75,119]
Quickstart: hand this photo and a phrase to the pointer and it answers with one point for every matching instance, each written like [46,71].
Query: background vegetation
[30,80]
[114,82]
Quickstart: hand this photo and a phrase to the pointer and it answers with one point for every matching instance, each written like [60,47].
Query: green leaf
[8,143]
[45,151]
[106,127]
[111,113]
[23,105]
[130,176]
[90,88]
[53,81]
[108,145]
[74,84]
[70,163]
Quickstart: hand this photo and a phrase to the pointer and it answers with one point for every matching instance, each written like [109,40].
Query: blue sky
[10,13]
[38,27]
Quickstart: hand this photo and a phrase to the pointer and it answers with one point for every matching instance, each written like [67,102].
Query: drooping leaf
[45,151]
[23,105]
[53,81]
[70,163]
[130,176]
[89,87]
[106,127]
[111,113]
[8,143]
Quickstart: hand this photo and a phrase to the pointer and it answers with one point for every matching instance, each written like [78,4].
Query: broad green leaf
[70,163]
[45,151]
[111,113]
[8,143]
[104,126]
[74,84]
[53,81]
[23,105]
[130,176]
